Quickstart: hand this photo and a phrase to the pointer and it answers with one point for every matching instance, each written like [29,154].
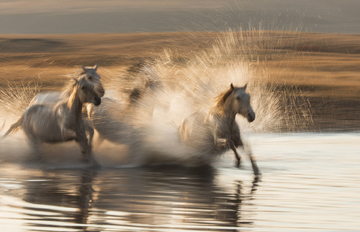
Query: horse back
[47,98]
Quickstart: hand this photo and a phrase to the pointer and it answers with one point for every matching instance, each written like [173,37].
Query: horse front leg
[231,144]
[221,142]
[249,153]
[238,142]
[253,164]
[84,146]
[90,131]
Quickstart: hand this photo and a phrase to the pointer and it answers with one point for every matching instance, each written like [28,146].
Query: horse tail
[14,127]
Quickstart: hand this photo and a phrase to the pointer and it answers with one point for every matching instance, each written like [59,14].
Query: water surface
[309,182]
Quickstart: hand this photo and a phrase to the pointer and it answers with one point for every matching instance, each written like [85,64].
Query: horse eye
[83,87]
[238,98]
[90,78]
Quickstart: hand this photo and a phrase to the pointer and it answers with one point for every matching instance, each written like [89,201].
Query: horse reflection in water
[66,189]
[160,196]
[214,132]
[138,199]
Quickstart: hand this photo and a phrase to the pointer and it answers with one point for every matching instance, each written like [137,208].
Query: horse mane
[221,98]
[219,104]
[69,86]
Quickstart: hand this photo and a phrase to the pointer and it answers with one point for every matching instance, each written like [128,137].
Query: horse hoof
[94,164]
[238,163]
[257,173]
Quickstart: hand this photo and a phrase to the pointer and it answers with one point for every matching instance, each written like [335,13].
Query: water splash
[238,58]
[14,98]
[191,81]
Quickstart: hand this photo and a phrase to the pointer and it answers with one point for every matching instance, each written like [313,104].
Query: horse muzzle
[97,101]
[100,91]
[251,117]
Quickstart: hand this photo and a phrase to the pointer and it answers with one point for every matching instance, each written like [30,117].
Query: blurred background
[301,60]
[111,16]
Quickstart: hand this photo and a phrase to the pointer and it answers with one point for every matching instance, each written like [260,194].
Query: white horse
[61,122]
[120,122]
[215,131]
[53,97]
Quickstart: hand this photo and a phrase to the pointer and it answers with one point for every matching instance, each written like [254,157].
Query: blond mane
[219,103]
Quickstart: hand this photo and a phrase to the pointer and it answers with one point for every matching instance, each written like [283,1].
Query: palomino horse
[60,122]
[216,131]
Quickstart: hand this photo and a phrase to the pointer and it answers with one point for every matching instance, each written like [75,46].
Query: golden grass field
[324,68]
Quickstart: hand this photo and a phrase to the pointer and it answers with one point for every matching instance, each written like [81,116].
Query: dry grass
[324,68]
[322,64]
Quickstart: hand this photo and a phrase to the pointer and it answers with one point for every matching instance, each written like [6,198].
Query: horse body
[121,122]
[61,122]
[54,97]
[112,120]
[214,132]
[37,120]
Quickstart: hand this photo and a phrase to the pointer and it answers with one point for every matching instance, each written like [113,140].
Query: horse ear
[83,67]
[95,67]
[231,86]
[245,86]
[75,81]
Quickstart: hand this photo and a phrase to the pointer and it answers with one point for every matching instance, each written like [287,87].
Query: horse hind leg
[36,152]
[34,143]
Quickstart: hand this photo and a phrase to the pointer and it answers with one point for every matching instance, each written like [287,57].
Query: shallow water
[309,182]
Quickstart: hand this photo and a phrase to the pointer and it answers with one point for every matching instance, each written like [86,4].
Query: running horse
[53,97]
[62,122]
[121,121]
[215,131]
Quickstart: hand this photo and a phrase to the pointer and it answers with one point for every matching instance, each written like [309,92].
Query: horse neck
[74,104]
[70,86]
[224,114]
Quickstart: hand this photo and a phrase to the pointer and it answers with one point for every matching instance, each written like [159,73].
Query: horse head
[93,77]
[240,102]
[86,92]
